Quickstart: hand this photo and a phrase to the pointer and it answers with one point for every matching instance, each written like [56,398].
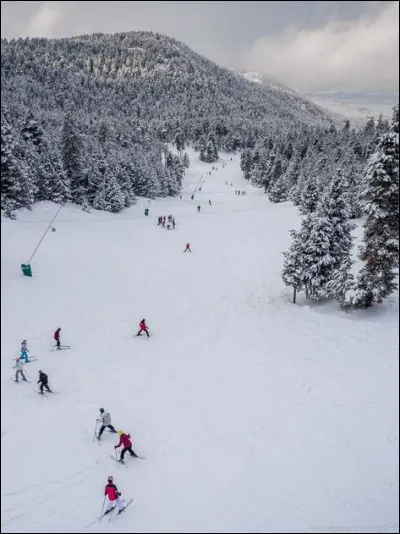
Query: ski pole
[104,500]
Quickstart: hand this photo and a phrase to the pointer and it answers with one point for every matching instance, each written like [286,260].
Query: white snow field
[253,414]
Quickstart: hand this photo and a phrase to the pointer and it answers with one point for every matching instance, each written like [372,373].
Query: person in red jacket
[57,338]
[124,439]
[187,248]
[143,328]
[114,497]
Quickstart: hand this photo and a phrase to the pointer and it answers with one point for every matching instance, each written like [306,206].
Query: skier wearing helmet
[114,497]
[124,439]
[105,420]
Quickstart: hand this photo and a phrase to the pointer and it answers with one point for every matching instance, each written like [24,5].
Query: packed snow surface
[253,414]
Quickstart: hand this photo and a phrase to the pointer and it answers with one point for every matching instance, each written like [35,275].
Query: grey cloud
[305,44]
[338,54]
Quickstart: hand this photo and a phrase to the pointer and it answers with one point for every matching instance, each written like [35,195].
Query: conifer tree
[380,250]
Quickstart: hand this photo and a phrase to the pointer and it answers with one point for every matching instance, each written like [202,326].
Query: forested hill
[87,118]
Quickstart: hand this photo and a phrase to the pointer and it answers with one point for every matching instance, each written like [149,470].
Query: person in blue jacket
[24,352]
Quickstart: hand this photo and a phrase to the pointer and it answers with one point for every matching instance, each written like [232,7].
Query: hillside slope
[147,77]
[253,414]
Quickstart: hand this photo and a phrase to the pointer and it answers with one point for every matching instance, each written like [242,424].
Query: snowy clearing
[253,414]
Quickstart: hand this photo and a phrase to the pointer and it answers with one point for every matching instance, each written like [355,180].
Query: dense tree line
[88,119]
[319,260]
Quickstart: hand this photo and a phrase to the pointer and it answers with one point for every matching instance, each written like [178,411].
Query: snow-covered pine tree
[9,166]
[211,152]
[309,196]
[246,163]
[31,131]
[51,178]
[308,262]
[333,206]
[342,282]
[380,250]
[279,190]
[293,267]
[72,149]
[114,199]
[179,142]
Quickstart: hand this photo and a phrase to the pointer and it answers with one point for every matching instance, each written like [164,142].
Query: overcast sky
[310,46]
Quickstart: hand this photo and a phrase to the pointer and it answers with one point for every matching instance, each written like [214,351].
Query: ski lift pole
[47,229]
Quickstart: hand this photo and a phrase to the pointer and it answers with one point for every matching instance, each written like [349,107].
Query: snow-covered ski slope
[253,414]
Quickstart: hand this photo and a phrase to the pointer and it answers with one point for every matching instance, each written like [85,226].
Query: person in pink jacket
[124,439]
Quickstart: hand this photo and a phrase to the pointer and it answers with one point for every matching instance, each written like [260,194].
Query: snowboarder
[114,497]
[19,366]
[187,248]
[105,420]
[143,328]
[57,338]
[24,351]
[198,208]
[43,381]
[126,442]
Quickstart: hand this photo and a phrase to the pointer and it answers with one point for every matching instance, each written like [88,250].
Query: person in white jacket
[19,366]
[105,420]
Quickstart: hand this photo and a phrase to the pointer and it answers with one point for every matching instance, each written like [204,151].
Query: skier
[143,328]
[114,497]
[19,366]
[198,208]
[209,202]
[159,221]
[105,420]
[126,442]
[173,223]
[187,248]
[57,338]
[43,381]
[24,352]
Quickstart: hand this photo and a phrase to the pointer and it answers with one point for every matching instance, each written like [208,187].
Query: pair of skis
[123,462]
[20,381]
[112,515]
[62,347]
[45,394]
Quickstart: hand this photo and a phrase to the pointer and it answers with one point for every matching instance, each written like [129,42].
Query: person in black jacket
[43,381]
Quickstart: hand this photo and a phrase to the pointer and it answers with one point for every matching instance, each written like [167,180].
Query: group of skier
[23,359]
[168,223]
